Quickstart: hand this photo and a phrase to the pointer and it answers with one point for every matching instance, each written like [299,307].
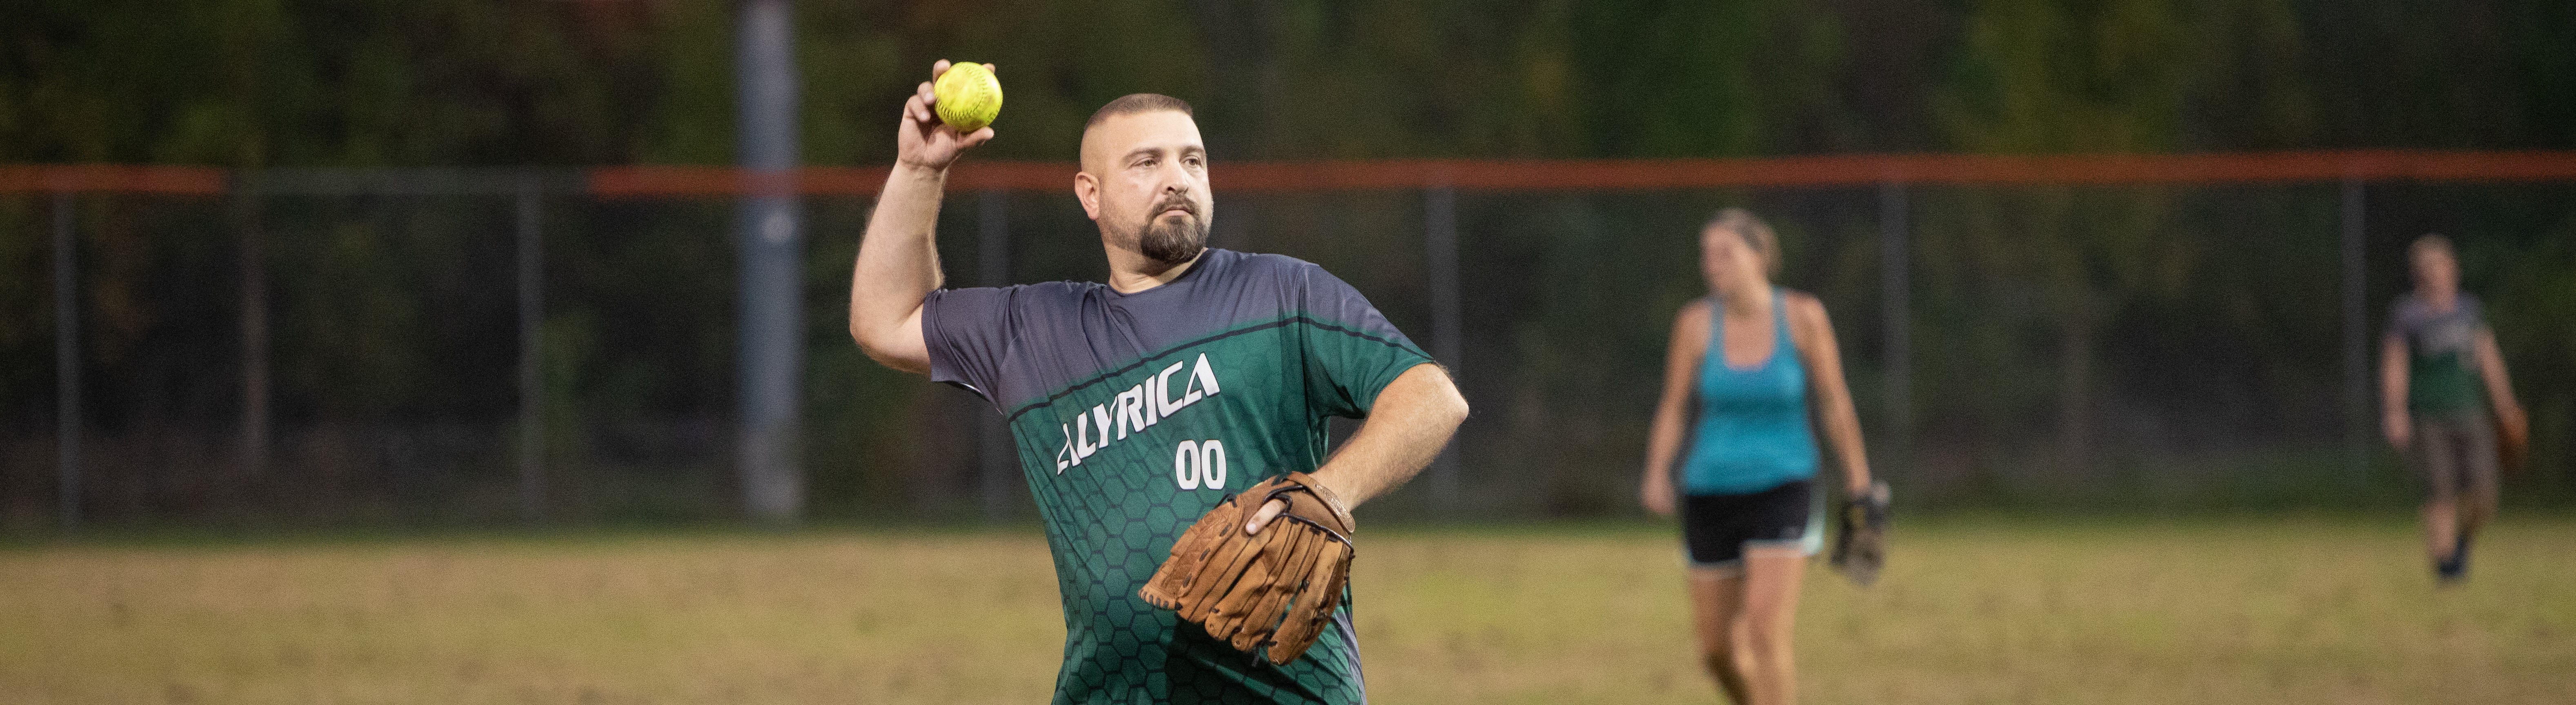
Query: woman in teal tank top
[1752,383]
[1751,434]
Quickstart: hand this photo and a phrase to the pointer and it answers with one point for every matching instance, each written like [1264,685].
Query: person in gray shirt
[2440,376]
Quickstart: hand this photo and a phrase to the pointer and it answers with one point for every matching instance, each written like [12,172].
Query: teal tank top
[1751,432]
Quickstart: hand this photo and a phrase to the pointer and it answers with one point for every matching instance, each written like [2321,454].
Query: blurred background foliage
[2135,347]
[466,82]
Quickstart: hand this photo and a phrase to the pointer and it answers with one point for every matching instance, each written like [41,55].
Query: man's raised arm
[898,260]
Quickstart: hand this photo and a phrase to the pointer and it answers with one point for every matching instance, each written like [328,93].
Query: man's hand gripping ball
[969,97]
[926,138]
[1275,588]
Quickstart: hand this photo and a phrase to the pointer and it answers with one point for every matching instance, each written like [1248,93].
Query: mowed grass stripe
[2253,611]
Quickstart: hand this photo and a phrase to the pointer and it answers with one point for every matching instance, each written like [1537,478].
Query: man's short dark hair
[2431,242]
[1137,103]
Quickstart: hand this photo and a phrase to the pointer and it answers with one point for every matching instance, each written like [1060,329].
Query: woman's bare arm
[1829,397]
[1664,438]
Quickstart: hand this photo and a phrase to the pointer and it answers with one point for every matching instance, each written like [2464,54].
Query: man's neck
[1131,272]
[2439,301]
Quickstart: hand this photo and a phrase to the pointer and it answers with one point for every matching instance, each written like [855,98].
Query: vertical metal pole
[254,328]
[1440,236]
[67,382]
[993,262]
[1896,285]
[532,308]
[770,240]
[2356,358]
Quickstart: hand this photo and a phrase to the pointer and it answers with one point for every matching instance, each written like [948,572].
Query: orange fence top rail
[1642,174]
[1944,169]
[651,181]
[111,178]
[1484,175]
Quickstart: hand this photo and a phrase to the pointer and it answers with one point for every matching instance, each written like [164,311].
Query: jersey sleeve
[2401,319]
[1351,351]
[967,331]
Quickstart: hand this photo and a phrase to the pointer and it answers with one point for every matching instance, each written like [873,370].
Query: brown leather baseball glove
[1860,547]
[1273,589]
[2513,440]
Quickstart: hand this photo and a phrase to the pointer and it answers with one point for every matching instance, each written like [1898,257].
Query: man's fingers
[1262,518]
[914,112]
[938,67]
[918,107]
[979,137]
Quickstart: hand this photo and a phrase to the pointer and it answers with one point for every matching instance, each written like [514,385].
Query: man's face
[1147,184]
[2435,270]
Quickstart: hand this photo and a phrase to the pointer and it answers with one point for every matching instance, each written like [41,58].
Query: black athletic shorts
[1716,528]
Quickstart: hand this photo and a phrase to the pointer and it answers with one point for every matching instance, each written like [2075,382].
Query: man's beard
[1177,242]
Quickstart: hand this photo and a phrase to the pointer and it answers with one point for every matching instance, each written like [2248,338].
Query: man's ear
[1087,190]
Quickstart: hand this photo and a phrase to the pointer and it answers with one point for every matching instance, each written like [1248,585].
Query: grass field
[2248,611]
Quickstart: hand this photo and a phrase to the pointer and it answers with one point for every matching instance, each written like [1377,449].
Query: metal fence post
[2356,358]
[67,381]
[532,308]
[770,237]
[993,265]
[254,325]
[1440,235]
[1896,286]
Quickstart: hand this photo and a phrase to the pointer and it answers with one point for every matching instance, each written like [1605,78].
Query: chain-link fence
[357,349]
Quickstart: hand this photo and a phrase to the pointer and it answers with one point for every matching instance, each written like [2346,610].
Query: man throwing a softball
[1138,406]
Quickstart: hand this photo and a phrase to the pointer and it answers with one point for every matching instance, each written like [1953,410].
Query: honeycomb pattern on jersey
[1112,520]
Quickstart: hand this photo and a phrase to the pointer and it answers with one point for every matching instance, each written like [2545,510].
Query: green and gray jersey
[1134,414]
[2441,354]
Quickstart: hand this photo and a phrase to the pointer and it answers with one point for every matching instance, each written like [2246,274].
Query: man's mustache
[1183,204]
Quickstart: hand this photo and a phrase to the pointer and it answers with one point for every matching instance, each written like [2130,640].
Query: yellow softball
[969,97]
